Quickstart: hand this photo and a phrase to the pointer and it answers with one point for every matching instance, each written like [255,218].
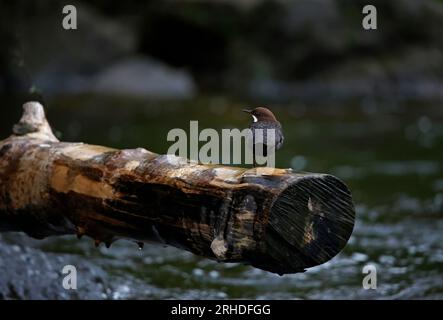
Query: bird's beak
[247,110]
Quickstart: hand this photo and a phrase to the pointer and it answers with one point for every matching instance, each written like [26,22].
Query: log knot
[219,247]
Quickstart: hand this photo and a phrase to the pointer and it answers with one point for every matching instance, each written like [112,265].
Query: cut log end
[309,223]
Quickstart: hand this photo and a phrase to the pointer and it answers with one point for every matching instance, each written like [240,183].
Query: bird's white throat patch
[254,118]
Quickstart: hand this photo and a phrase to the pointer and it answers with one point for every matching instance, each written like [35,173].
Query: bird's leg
[254,164]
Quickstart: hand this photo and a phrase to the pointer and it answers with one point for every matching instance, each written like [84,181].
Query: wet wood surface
[273,219]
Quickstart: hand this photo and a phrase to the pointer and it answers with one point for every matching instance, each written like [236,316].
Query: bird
[263,118]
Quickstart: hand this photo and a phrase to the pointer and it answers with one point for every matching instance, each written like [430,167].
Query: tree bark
[273,219]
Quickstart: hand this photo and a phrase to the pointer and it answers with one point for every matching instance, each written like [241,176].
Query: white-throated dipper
[264,119]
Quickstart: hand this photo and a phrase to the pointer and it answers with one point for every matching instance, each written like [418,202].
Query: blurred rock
[415,74]
[32,274]
[144,77]
[320,53]
[320,22]
[39,53]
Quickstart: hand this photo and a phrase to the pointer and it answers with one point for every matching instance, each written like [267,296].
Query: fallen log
[273,219]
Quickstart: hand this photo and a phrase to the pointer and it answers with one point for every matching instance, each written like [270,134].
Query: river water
[389,155]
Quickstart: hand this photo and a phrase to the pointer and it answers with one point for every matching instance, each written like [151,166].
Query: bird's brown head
[261,114]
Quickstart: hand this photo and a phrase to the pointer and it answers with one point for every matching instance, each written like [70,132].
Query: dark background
[309,51]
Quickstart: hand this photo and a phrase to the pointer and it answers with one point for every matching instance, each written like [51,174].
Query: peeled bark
[273,219]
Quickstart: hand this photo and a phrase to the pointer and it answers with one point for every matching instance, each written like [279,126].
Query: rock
[29,273]
[62,76]
[137,76]
[54,60]
[320,23]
